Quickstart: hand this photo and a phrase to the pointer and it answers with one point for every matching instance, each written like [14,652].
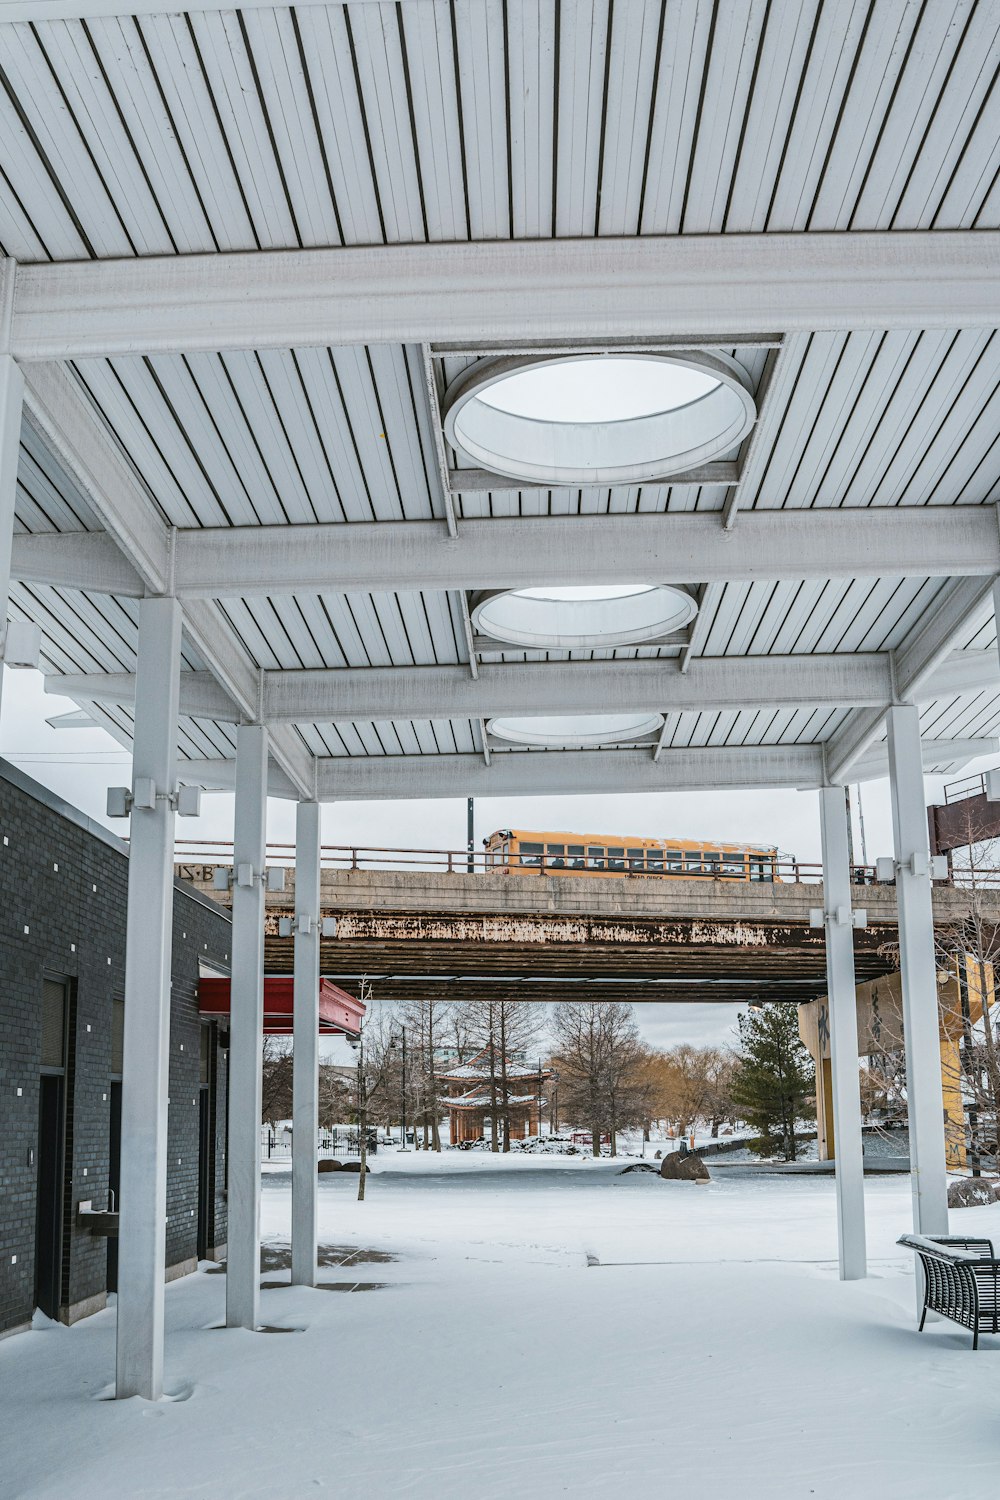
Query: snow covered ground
[547,1327]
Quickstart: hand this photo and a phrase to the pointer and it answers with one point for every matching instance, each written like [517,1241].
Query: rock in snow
[969,1192]
[688,1168]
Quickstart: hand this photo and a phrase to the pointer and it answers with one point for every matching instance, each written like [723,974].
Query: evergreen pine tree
[775,1079]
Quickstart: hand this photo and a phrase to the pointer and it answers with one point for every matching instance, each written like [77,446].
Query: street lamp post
[358,1046]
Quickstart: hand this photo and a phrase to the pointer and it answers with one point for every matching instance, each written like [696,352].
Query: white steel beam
[837,899]
[961,605]
[11,408]
[201,696]
[346,694]
[11,393]
[88,560]
[564,772]
[305,1050]
[59,409]
[918,967]
[58,406]
[874,765]
[220,776]
[696,285]
[574,687]
[246,1028]
[969,671]
[145,1070]
[529,551]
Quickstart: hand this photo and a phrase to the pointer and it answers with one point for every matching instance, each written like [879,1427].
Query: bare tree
[375,1071]
[425,1021]
[623,1052]
[276,1080]
[336,1096]
[601,1065]
[502,1030]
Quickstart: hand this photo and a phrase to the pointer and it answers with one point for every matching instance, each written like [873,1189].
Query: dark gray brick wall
[63,886]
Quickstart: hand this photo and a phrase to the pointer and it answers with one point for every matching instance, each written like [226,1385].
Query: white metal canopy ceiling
[225,380]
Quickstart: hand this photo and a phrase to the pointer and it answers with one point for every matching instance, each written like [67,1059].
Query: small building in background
[471,1088]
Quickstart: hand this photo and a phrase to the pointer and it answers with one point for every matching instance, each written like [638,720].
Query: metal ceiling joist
[531,551]
[72,10]
[598,289]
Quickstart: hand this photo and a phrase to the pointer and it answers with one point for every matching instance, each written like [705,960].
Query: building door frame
[50,1180]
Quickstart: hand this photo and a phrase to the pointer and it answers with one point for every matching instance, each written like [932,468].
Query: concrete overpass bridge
[445,934]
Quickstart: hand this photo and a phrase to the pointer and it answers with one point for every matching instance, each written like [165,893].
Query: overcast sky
[81,764]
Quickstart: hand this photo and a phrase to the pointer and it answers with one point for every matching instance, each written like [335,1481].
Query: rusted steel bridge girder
[548,937]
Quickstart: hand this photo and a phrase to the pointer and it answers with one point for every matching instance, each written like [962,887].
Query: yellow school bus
[519,851]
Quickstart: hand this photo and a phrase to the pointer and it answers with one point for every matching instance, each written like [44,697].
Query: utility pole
[470,835]
[362,1117]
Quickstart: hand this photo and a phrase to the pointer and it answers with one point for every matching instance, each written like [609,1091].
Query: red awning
[338,1011]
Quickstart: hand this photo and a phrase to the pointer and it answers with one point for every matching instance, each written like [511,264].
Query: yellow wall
[880,1012]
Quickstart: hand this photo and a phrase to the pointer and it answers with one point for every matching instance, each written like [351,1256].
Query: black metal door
[49,1204]
[204,1174]
[114,1178]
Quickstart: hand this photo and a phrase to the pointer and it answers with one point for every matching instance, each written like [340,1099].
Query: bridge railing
[967,786]
[195,859]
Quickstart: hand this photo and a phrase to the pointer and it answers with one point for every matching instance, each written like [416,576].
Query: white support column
[11,402]
[246,1028]
[840,984]
[305,1057]
[925,1103]
[145,1071]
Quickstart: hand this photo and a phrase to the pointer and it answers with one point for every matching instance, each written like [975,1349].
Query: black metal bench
[961,1280]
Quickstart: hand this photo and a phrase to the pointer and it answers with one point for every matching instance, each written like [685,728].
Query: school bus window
[760,869]
[692,863]
[596,857]
[713,861]
[556,856]
[675,862]
[654,861]
[616,858]
[637,860]
[575,858]
[531,855]
[732,864]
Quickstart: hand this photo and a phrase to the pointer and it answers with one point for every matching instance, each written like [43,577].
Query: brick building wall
[63,888]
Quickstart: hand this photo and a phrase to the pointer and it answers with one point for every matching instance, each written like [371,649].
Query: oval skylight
[569,619]
[608,389]
[598,419]
[577,730]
